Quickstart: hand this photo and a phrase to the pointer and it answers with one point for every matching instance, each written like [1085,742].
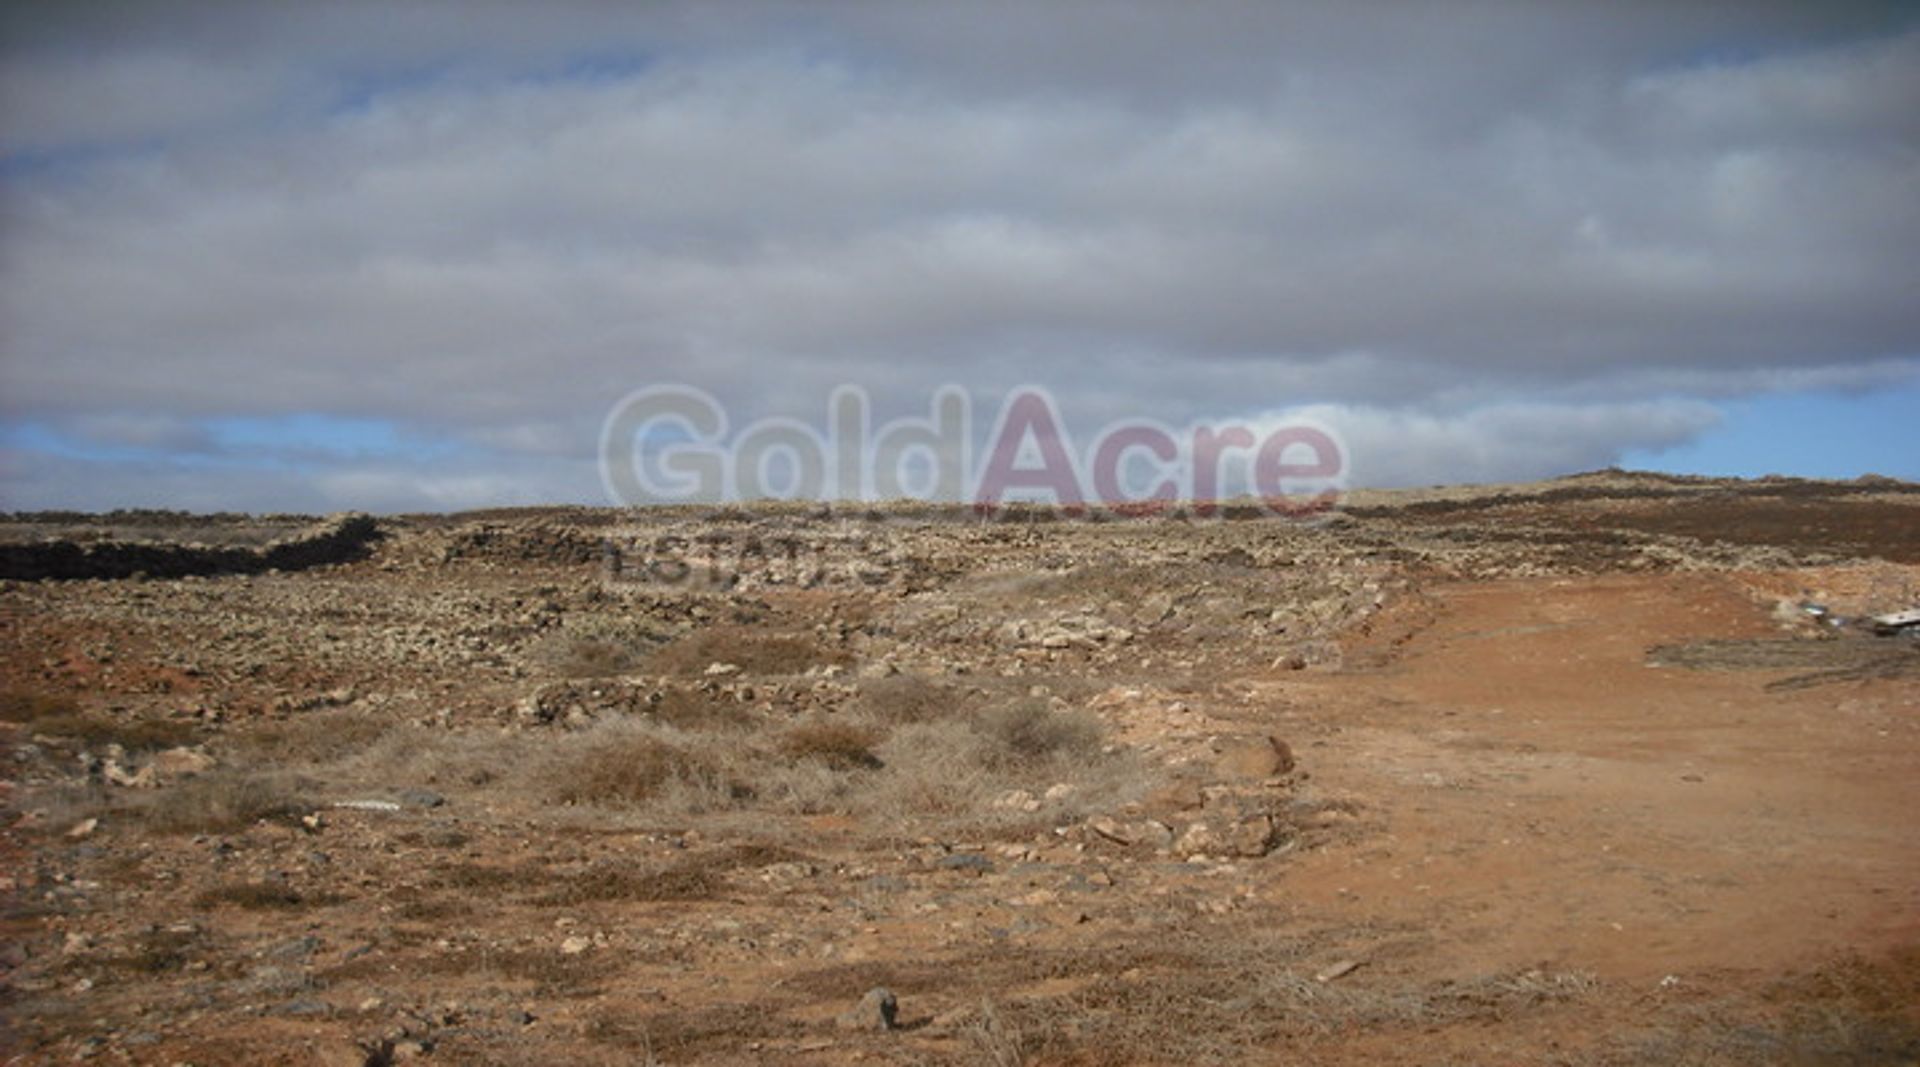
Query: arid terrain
[1605,770]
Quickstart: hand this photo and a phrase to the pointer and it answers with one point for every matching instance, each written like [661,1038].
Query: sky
[404,257]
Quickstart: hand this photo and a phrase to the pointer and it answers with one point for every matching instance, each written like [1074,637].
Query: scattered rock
[1199,839]
[421,798]
[177,763]
[1017,800]
[876,1011]
[367,805]
[305,1008]
[1254,757]
[1253,836]
[1337,970]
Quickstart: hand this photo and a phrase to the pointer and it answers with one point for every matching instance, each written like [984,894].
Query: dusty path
[1552,801]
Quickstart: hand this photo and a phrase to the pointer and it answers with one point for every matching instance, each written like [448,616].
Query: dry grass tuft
[159,951]
[698,877]
[224,801]
[314,737]
[907,698]
[1027,732]
[257,896]
[616,767]
[29,706]
[754,651]
[839,745]
[480,876]
[691,709]
[133,735]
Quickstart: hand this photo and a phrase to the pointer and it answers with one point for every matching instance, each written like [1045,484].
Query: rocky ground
[1566,773]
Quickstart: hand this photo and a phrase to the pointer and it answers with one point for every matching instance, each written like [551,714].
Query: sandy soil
[395,810]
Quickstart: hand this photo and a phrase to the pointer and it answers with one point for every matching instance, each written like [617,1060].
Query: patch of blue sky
[1815,434]
[285,441]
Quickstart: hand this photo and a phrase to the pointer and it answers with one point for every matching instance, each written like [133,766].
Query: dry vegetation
[466,801]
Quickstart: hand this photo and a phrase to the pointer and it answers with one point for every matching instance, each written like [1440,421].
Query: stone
[1253,836]
[966,861]
[574,946]
[1017,800]
[176,763]
[421,798]
[83,828]
[1199,839]
[367,805]
[877,1010]
[1175,796]
[1254,757]
[1154,834]
[1337,970]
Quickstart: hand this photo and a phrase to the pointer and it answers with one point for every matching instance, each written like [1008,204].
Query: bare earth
[1565,774]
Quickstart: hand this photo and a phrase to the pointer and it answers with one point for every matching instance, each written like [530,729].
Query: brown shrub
[478,876]
[28,706]
[315,737]
[61,717]
[690,709]
[697,877]
[842,746]
[624,768]
[257,896]
[908,698]
[754,651]
[1027,732]
[159,951]
[222,802]
[582,656]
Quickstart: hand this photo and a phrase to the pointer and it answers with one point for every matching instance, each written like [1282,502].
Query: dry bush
[624,765]
[479,876]
[1028,733]
[691,709]
[1225,996]
[224,801]
[573,655]
[697,877]
[628,881]
[159,951]
[439,757]
[952,773]
[257,896]
[59,715]
[997,1042]
[904,698]
[754,651]
[690,1035]
[311,738]
[551,973]
[1852,1010]
[839,745]
[30,706]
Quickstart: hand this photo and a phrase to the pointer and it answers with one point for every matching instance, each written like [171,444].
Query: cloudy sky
[407,256]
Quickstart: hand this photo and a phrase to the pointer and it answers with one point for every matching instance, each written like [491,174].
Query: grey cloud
[418,214]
